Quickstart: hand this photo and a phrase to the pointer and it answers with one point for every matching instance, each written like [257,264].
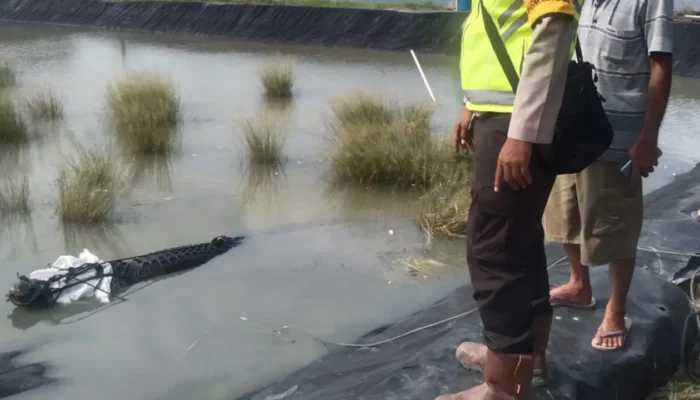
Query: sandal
[623,333]
[564,302]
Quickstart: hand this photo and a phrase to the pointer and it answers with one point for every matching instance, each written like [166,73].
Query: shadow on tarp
[422,365]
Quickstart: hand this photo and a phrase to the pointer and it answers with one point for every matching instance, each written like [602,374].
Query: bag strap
[499,48]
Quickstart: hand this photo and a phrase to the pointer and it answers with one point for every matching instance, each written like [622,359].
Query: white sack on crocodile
[91,288]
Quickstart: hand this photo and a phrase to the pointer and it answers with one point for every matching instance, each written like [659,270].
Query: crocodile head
[27,292]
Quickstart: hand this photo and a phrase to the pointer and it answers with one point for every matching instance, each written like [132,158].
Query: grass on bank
[14,197]
[263,139]
[13,127]
[7,75]
[277,80]
[429,6]
[88,186]
[145,109]
[445,206]
[45,106]
[677,389]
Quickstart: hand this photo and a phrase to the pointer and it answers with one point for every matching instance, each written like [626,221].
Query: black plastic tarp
[422,365]
[422,31]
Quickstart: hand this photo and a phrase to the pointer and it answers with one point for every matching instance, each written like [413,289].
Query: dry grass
[145,109]
[445,206]
[381,143]
[13,127]
[277,79]
[88,186]
[7,75]
[362,109]
[263,139]
[677,390]
[45,105]
[14,197]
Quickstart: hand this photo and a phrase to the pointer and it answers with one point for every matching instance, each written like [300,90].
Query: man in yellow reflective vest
[507,130]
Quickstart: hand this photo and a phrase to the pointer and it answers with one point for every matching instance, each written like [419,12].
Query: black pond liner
[422,31]
[422,365]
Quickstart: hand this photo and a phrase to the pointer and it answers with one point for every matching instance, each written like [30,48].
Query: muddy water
[319,261]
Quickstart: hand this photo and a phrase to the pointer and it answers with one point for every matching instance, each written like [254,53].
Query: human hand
[643,156]
[461,135]
[513,166]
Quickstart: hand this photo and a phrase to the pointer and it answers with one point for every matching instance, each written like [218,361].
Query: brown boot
[473,355]
[506,377]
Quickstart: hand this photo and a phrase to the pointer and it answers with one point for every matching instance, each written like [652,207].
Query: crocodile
[37,293]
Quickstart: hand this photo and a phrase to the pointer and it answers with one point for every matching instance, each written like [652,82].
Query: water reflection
[105,239]
[153,171]
[23,318]
[359,203]
[262,185]
[18,230]
[14,159]
[280,107]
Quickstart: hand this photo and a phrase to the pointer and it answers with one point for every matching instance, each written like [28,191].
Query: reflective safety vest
[486,87]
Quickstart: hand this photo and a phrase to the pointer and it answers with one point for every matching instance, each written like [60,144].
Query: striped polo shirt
[617,36]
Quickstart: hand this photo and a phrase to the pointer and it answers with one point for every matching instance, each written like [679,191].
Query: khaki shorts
[599,209]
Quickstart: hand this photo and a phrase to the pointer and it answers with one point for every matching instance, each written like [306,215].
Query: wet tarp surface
[423,365]
[17,377]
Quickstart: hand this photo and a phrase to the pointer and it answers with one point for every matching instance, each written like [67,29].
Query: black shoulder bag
[583,132]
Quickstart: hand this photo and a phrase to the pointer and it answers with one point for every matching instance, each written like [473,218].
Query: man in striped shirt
[597,213]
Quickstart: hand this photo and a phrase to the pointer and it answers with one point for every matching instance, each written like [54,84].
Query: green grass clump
[14,197]
[263,139]
[88,186]
[277,80]
[13,127]
[7,75]
[145,109]
[45,105]
[382,143]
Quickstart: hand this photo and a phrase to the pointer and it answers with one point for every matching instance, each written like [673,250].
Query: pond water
[317,260]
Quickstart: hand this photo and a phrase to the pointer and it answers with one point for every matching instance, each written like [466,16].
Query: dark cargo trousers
[505,243]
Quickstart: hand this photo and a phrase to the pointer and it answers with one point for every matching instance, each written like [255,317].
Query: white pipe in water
[425,80]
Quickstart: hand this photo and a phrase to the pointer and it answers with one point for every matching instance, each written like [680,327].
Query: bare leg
[621,272]
[578,289]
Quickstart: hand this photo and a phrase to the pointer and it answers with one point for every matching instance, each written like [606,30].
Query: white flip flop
[623,332]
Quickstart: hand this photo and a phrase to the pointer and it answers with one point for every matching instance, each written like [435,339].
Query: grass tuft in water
[88,186]
[263,139]
[145,109]
[14,197]
[13,127]
[381,143]
[277,80]
[7,75]
[45,105]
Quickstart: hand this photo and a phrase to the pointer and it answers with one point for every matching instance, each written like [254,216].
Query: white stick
[425,80]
